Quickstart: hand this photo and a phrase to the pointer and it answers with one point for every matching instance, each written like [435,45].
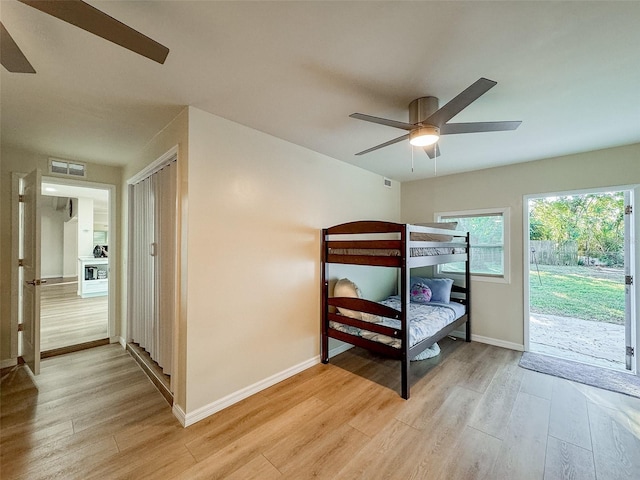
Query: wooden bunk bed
[403,246]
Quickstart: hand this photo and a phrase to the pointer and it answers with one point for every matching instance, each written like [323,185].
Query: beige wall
[252,207]
[256,207]
[505,187]
[251,210]
[21,161]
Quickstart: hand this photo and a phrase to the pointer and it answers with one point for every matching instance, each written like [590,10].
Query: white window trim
[505,212]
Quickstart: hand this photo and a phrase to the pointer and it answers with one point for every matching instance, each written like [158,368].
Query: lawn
[589,293]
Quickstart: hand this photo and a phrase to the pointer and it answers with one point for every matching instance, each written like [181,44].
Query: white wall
[70,248]
[85,227]
[100,221]
[60,239]
[505,187]
[256,208]
[52,237]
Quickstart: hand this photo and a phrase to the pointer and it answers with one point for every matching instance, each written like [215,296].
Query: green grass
[579,292]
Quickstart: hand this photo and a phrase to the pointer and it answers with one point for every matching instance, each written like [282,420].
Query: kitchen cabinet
[93,276]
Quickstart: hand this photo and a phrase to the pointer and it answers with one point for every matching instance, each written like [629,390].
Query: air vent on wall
[387,183]
[65,167]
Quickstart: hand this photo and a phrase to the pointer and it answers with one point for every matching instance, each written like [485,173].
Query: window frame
[505,213]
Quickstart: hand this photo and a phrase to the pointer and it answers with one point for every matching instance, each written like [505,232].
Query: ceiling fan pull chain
[435,166]
[411,159]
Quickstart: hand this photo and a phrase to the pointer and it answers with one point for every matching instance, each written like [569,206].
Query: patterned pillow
[440,288]
[420,293]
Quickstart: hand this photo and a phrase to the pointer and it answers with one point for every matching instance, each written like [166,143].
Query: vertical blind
[152,264]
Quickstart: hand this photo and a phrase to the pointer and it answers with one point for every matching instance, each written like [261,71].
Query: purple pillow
[440,288]
[420,293]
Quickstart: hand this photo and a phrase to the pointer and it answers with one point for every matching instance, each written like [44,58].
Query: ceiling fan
[86,17]
[427,122]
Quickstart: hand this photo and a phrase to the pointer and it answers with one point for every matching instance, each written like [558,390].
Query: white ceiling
[569,70]
[99,196]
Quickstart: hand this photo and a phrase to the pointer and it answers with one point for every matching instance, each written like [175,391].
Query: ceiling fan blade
[86,17]
[432,150]
[474,127]
[384,121]
[385,144]
[459,103]
[11,56]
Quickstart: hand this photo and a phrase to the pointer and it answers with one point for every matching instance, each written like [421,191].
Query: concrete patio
[595,343]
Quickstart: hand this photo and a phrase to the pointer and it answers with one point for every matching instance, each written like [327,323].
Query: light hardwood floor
[473,414]
[67,319]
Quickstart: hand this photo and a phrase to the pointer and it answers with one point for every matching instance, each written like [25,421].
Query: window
[488,231]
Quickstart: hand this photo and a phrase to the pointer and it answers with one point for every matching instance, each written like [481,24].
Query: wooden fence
[547,252]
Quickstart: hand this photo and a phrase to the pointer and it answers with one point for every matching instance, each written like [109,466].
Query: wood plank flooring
[473,414]
[67,319]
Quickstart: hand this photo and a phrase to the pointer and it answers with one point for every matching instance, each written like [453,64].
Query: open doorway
[74,310]
[579,263]
[68,235]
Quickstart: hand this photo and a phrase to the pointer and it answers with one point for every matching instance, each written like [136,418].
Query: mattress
[384,252]
[425,320]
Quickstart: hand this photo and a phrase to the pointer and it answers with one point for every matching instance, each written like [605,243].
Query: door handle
[36,282]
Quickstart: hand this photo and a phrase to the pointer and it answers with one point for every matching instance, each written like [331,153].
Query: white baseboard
[490,341]
[201,413]
[187,419]
[214,407]
[122,342]
[179,414]
[9,362]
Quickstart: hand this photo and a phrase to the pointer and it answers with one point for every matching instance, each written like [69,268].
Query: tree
[594,221]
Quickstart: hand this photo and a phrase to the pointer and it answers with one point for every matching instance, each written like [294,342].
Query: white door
[31,271]
[629,256]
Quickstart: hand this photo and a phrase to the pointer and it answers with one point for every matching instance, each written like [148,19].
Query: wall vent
[65,167]
[387,183]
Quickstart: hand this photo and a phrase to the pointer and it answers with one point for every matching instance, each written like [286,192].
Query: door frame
[113,241]
[15,245]
[171,155]
[634,267]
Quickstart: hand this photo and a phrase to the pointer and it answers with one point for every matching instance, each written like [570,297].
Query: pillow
[440,288]
[434,237]
[420,293]
[346,288]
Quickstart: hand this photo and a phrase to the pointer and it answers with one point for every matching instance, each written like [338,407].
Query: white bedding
[426,319]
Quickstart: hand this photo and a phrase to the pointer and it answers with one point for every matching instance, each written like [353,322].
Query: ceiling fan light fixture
[424,136]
